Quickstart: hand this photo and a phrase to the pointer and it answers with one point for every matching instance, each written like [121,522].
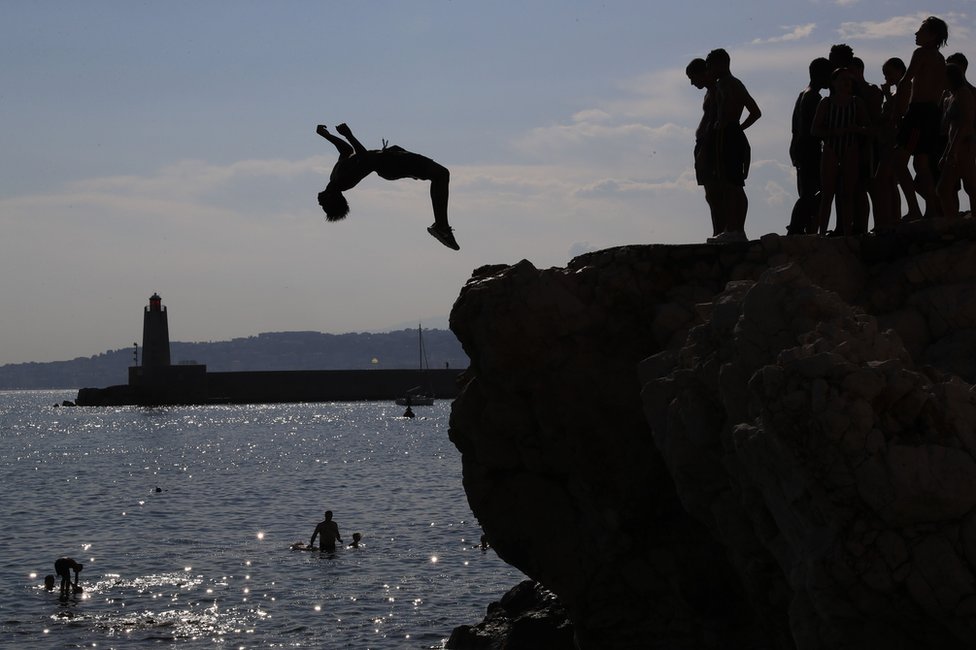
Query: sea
[184,519]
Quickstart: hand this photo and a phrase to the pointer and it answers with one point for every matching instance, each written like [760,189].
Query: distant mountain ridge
[267,351]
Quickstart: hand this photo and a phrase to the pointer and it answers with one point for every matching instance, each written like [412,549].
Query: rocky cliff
[758,445]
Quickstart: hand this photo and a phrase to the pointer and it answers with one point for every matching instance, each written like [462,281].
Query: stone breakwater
[758,445]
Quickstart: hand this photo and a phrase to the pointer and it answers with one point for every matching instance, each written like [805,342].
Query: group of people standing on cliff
[855,143]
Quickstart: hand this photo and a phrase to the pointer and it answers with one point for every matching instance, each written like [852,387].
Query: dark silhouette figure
[705,174]
[958,162]
[840,121]
[732,152]
[329,532]
[805,150]
[918,137]
[841,55]
[892,169]
[872,99]
[49,582]
[356,538]
[391,163]
[409,412]
[63,568]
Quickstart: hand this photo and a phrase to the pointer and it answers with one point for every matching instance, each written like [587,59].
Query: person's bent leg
[904,179]
[341,145]
[439,182]
[344,130]
[925,185]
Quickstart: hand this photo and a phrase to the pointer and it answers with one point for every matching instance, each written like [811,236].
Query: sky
[170,147]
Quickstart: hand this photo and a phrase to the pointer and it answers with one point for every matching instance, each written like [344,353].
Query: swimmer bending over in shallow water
[63,567]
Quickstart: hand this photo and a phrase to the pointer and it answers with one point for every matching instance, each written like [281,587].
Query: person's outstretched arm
[344,149]
[344,130]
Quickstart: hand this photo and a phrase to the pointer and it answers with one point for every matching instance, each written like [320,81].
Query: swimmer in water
[329,532]
[63,568]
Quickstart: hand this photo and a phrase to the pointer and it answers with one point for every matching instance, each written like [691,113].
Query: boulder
[767,445]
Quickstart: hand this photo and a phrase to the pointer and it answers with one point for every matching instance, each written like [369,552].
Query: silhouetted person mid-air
[63,568]
[391,163]
[329,532]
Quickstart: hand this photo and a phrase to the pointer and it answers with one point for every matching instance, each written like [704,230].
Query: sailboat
[419,395]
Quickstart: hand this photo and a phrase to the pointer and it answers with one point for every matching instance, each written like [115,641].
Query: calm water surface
[206,561]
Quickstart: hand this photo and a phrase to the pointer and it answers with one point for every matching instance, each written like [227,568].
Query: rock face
[761,445]
[529,617]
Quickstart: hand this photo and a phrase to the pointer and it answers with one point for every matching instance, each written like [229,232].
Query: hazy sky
[170,147]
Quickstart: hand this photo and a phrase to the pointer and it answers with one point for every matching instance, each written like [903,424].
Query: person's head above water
[334,204]
[328,515]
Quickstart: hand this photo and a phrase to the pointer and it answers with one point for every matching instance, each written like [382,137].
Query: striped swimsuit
[841,117]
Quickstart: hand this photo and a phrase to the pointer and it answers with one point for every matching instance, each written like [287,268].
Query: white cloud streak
[793,33]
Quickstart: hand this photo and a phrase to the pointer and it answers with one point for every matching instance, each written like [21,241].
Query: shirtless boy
[919,133]
[732,151]
[704,142]
[392,163]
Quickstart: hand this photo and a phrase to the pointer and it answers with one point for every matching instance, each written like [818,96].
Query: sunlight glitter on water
[213,497]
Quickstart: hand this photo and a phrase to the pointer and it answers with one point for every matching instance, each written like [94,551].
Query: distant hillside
[269,351]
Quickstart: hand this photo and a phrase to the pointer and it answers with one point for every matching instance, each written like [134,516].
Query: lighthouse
[157,381]
[155,335]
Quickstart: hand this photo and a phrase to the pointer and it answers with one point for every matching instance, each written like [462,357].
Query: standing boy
[919,134]
[805,150]
[705,173]
[732,151]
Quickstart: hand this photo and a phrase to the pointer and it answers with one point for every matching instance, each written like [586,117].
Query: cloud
[900,27]
[777,195]
[586,133]
[621,187]
[794,33]
[196,178]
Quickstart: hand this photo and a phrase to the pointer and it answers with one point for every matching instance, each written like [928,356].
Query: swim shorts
[919,132]
[732,155]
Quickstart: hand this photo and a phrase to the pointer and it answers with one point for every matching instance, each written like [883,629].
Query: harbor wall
[192,384]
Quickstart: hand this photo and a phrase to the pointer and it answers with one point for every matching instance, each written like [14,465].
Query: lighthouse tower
[155,335]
